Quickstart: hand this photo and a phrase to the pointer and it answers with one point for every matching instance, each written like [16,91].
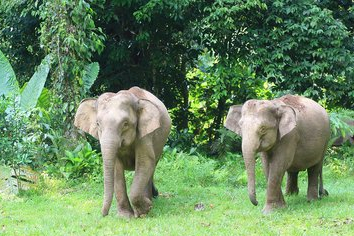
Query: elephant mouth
[264,148]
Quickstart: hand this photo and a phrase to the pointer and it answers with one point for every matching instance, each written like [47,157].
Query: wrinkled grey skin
[132,127]
[292,134]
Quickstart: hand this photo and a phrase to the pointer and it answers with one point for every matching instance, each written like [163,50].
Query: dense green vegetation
[198,57]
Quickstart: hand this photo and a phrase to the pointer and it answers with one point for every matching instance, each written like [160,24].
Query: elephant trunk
[249,158]
[109,152]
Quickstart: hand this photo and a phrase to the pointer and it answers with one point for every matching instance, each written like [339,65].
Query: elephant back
[311,116]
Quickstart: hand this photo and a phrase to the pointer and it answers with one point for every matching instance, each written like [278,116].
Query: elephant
[132,127]
[291,133]
[340,140]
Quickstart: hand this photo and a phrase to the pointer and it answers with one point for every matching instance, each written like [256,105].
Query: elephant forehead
[124,98]
[113,118]
[116,110]
[257,106]
[117,102]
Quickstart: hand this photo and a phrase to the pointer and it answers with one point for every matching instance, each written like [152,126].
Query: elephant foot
[292,191]
[125,214]
[271,207]
[312,196]
[124,210]
[141,205]
[104,211]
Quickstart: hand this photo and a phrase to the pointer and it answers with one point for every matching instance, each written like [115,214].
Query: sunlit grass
[58,208]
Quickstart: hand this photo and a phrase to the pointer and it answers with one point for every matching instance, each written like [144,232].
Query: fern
[33,90]
[90,75]
[8,82]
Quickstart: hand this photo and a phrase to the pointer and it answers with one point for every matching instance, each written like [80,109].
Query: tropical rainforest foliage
[198,57]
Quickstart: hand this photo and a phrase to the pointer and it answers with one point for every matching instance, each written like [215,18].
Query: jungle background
[198,57]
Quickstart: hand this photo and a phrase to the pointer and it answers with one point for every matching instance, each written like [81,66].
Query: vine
[68,31]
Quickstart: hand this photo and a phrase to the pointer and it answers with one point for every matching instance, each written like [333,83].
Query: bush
[339,125]
[81,162]
[340,160]
[228,141]
[182,140]
[36,137]
[20,135]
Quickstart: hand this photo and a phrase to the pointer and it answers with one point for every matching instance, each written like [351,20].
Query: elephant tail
[322,192]
[155,192]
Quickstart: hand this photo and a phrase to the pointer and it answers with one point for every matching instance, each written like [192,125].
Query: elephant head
[117,120]
[261,124]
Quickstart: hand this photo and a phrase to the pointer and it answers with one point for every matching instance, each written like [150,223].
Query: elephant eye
[262,130]
[125,124]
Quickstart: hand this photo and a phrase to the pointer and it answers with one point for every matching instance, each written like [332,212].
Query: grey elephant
[340,140]
[291,133]
[132,127]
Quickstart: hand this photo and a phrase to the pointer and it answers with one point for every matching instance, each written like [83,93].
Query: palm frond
[33,90]
[8,82]
[90,75]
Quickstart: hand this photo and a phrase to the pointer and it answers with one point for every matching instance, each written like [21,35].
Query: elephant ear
[287,119]
[233,117]
[149,117]
[85,117]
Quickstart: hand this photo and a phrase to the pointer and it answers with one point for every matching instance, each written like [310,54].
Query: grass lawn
[59,208]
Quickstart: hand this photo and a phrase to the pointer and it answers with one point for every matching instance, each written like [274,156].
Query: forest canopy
[198,57]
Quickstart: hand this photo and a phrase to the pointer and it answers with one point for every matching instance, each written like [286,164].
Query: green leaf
[31,93]
[90,75]
[8,82]
[44,99]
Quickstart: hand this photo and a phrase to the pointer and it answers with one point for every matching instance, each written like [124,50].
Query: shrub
[340,160]
[20,135]
[339,125]
[228,141]
[182,140]
[80,162]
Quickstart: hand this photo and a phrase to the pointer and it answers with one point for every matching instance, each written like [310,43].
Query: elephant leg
[144,170]
[265,165]
[141,190]
[313,175]
[279,162]
[120,189]
[291,183]
[148,190]
[274,197]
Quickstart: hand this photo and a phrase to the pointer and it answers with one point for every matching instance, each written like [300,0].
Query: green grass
[58,208]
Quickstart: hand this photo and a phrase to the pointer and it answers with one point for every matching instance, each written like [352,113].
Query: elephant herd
[291,133]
